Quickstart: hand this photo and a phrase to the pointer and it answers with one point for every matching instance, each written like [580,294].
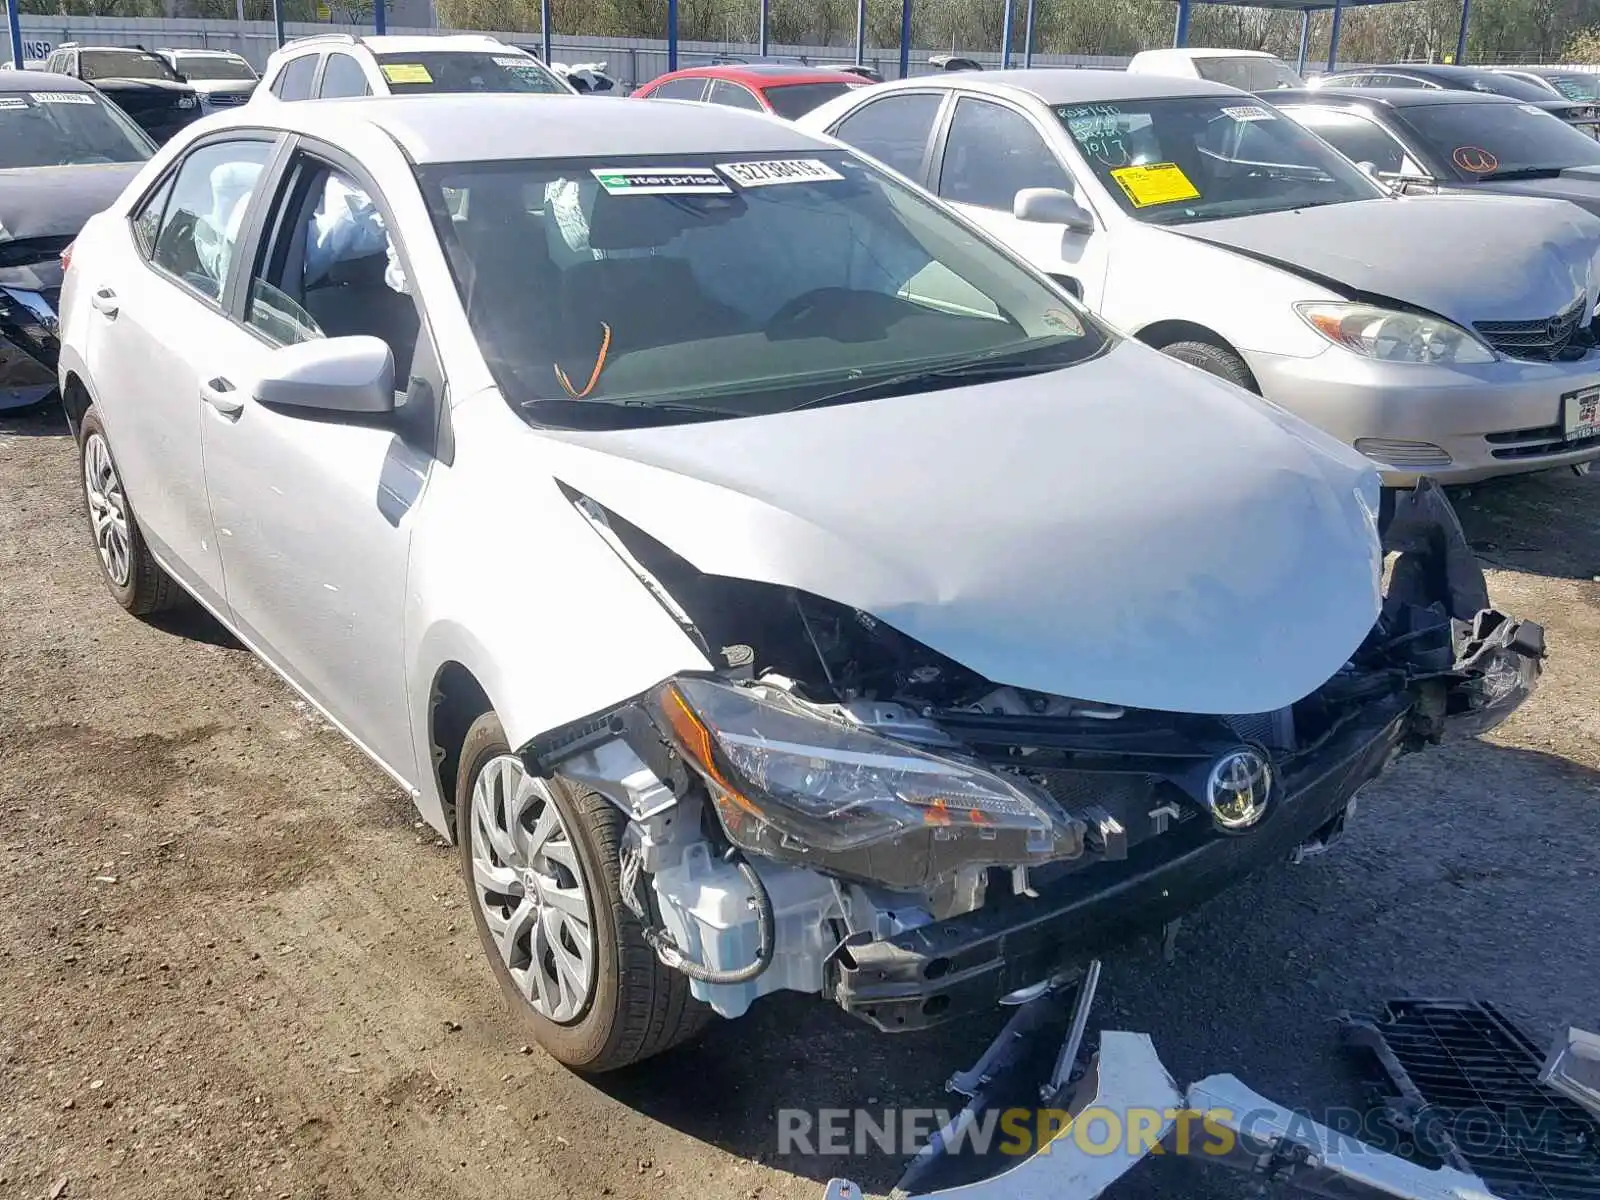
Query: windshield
[468,71]
[207,67]
[58,129]
[795,100]
[1198,158]
[616,292]
[1248,72]
[1488,140]
[123,64]
[1576,87]
[1499,84]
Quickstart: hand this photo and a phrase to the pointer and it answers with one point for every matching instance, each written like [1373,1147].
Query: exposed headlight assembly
[1392,336]
[790,784]
[186,101]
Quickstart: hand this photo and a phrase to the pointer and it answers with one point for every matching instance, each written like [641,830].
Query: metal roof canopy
[1180,34]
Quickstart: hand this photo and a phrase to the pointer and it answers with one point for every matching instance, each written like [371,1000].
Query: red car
[788,91]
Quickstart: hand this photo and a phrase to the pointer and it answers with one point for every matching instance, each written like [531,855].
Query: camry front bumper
[1455,424]
[28,346]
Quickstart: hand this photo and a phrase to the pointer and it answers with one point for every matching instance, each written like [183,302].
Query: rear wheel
[1224,364]
[541,859]
[131,573]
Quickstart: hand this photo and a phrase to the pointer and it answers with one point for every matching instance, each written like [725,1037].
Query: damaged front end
[30,291]
[843,811]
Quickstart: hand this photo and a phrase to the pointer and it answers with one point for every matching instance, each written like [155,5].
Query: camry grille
[1564,336]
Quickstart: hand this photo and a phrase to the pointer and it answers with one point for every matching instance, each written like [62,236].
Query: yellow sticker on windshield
[1155,183]
[406,73]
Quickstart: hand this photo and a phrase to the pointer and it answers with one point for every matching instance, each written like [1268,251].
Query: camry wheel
[132,575]
[541,859]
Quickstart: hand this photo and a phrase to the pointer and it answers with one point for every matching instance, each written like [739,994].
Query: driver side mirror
[1052,206]
[352,375]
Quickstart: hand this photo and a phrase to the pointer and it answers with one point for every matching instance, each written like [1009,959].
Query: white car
[1251,70]
[767,580]
[1212,226]
[341,65]
[220,78]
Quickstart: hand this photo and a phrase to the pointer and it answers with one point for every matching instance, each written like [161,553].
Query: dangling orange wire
[594,376]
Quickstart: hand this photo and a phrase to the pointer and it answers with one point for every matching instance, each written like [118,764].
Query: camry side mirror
[330,375]
[1052,206]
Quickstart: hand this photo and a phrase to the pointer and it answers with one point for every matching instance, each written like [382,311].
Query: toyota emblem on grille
[1238,789]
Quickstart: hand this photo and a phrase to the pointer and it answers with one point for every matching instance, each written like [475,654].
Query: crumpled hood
[56,201]
[1466,258]
[1129,530]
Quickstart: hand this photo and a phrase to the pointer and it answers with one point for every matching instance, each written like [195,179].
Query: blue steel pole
[13,19]
[1180,34]
[672,35]
[1305,39]
[277,20]
[905,38]
[761,29]
[1461,41]
[380,18]
[1005,38]
[1333,35]
[544,30]
[861,33]
[1027,37]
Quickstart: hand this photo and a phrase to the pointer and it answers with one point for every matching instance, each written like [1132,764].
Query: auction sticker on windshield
[12,103]
[1248,112]
[406,73]
[779,170]
[1581,413]
[1155,183]
[61,98]
[661,181]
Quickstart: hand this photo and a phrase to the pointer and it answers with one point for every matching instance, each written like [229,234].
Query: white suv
[340,64]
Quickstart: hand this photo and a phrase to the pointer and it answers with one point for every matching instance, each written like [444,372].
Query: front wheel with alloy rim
[131,573]
[541,858]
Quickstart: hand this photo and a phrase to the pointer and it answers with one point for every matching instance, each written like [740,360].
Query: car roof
[41,81]
[1390,97]
[400,43]
[1066,85]
[764,74]
[1422,70]
[1186,52]
[197,52]
[496,126]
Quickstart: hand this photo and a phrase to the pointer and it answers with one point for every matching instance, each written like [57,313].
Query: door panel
[146,378]
[314,544]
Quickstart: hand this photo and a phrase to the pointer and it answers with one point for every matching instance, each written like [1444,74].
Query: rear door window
[680,89]
[733,95]
[992,153]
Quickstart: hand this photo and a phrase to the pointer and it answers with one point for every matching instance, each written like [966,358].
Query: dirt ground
[233,965]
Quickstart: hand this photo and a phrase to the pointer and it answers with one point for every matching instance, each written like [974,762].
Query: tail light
[66,256]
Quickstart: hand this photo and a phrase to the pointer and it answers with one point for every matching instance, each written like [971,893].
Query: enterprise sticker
[661,181]
[779,170]
[61,98]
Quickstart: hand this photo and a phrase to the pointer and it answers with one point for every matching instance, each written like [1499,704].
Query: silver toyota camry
[766,580]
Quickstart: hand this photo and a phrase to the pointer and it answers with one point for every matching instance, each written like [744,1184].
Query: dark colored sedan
[65,154]
[1476,80]
[1453,141]
[143,84]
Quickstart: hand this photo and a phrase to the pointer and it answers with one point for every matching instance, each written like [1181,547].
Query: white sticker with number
[1248,112]
[779,170]
[62,97]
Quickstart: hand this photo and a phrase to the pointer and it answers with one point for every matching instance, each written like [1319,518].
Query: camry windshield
[206,67]
[1500,141]
[59,129]
[123,64]
[467,71]
[795,100]
[615,292]
[1198,158]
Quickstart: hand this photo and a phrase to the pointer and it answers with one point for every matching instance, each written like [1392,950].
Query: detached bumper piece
[1464,1084]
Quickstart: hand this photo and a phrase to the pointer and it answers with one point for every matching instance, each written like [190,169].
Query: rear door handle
[105,302]
[222,396]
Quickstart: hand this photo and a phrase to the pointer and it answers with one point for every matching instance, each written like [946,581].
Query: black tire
[1224,364]
[147,589]
[638,1007]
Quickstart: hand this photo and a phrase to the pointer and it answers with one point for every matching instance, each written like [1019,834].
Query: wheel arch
[456,698]
[75,400]
[1158,334]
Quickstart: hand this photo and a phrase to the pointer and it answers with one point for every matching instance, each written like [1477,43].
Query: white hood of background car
[1128,530]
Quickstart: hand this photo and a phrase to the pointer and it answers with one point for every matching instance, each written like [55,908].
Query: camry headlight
[789,783]
[1393,336]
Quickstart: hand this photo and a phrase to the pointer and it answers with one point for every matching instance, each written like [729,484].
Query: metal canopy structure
[1180,36]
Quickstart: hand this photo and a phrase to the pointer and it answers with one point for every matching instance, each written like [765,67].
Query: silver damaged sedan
[765,579]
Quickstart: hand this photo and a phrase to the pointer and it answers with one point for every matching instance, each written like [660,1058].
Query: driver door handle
[105,302]
[222,396]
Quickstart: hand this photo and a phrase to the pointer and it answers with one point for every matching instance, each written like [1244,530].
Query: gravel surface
[232,964]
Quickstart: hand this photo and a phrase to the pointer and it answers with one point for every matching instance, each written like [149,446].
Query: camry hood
[1529,258]
[1129,530]
[55,201]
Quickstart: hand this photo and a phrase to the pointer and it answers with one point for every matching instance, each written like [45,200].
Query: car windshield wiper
[620,414]
[929,380]
[1523,173]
